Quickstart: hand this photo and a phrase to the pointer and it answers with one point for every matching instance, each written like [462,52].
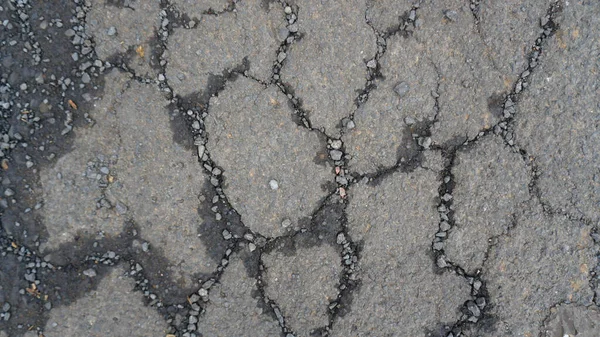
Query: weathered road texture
[304,168]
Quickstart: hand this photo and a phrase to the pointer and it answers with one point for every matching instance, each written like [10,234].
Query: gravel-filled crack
[474,6]
[404,27]
[194,110]
[291,17]
[505,126]
[474,309]
[270,304]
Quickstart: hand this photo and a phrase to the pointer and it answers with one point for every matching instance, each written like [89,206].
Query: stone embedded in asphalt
[336,154]
[89,272]
[274,184]
[401,89]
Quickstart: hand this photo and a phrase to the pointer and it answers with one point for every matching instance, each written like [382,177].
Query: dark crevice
[494,240]
[231,7]
[410,155]
[505,127]
[476,11]
[474,309]
[301,116]
[274,311]
[549,312]
[404,27]
[349,282]
[328,225]
[183,317]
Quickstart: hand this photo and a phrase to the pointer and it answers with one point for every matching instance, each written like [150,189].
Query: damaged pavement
[299,168]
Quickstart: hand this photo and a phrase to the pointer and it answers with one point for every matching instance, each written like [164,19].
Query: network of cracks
[347,169]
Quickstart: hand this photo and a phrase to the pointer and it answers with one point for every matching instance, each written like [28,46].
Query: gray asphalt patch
[246,111]
[562,253]
[100,312]
[294,289]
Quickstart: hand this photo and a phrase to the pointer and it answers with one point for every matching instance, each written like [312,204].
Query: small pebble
[412,15]
[281,56]
[336,144]
[293,28]
[89,272]
[85,78]
[336,154]
[401,89]
[426,142]
[451,15]
[121,208]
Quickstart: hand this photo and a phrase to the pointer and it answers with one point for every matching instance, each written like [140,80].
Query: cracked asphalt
[296,168]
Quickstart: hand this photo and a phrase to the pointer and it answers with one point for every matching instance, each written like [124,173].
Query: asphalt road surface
[343,168]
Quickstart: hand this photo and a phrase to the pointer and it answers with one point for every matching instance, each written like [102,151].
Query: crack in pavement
[227,229]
